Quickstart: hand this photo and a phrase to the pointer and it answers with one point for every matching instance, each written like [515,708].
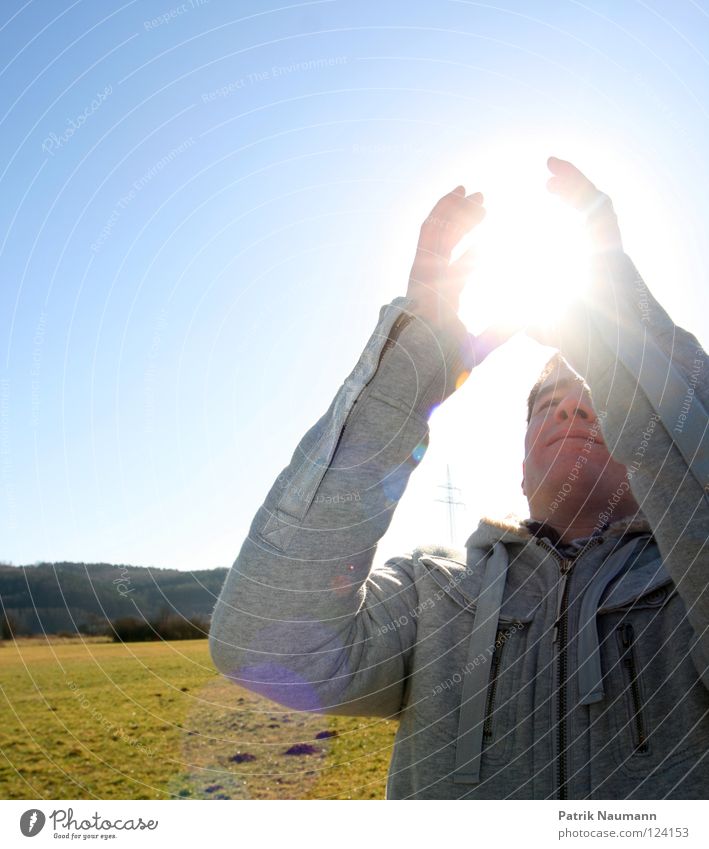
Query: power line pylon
[451,500]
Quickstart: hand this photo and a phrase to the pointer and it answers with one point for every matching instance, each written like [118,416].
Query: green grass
[96,720]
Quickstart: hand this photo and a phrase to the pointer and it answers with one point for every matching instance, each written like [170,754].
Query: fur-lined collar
[514,529]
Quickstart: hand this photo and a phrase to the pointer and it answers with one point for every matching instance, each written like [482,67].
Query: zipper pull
[396,328]
[626,640]
[564,567]
[626,635]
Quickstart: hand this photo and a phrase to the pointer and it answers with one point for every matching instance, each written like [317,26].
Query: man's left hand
[578,191]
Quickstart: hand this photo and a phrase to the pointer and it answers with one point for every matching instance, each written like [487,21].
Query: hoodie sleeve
[303,618]
[649,381]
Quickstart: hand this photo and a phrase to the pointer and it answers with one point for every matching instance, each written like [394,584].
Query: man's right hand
[435,283]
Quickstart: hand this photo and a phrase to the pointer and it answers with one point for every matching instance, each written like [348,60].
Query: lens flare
[531,262]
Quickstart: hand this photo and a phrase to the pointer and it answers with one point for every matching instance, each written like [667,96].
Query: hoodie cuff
[422,363]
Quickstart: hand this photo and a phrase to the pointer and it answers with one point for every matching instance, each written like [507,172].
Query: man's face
[564,445]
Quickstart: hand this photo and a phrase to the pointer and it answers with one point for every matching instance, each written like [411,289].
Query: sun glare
[532,260]
[531,253]
[531,250]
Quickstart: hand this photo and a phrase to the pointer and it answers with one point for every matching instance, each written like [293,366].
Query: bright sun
[531,251]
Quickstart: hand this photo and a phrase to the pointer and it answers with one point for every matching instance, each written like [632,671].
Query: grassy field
[97,720]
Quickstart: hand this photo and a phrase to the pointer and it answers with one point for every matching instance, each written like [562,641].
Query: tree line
[127,603]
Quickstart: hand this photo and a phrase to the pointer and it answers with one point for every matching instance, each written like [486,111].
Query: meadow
[89,719]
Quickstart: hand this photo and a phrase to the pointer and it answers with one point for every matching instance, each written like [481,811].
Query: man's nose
[575,406]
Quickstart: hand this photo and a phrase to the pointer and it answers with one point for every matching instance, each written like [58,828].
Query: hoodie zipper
[561,636]
[626,636]
[500,640]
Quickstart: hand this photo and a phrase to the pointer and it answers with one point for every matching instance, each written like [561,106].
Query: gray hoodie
[516,669]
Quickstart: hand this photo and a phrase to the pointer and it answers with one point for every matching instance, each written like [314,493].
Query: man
[561,657]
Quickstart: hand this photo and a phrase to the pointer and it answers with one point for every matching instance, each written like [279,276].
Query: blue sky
[205,205]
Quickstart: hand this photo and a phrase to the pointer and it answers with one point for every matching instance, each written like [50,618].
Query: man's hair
[557,361]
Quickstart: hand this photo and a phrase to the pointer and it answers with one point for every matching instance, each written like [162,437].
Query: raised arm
[651,379]
[302,616]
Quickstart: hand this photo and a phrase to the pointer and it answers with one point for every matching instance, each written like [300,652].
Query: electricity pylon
[450,500]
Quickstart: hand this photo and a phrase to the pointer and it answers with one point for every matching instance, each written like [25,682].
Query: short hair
[556,361]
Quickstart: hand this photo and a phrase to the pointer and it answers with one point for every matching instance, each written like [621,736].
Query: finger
[454,200]
[446,205]
[458,225]
[571,184]
[578,192]
[556,185]
[461,214]
[450,220]
[563,168]
[458,191]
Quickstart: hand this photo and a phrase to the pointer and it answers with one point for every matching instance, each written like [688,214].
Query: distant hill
[84,597]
